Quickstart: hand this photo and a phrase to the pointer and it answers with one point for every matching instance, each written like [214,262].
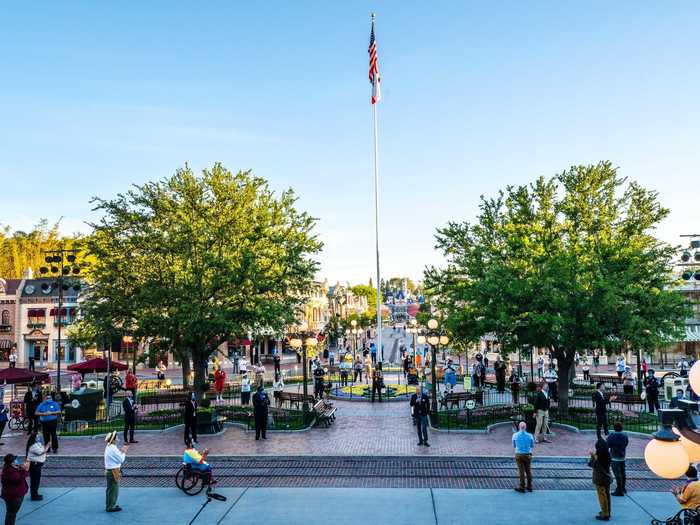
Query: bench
[605,378]
[294,399]
[459,399]
[628,399]
[325,412]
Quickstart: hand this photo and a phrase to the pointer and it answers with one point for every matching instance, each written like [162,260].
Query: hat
[111,437]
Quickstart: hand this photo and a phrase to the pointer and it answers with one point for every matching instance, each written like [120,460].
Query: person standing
[620,366]
[36,456]
[32,365]
[601,402]
[600,463]
[48,412]
[358,370]
[191,418]
[236,359]
[277,389]
[683,366]
[319,374]
[373,353]
[3,417]
[377,382]
[540,367]
[617,443]
[13,359]
[499,368]
[368,369]
[421,410]
[14,486]
[114,458]
[331,357]
[31,401]
[129,409]
[219,382]
[514,381]
[277,362]
[245,389]
[260,403]
[651,388]
[344,371]
[628,381]
[523,443]
[551,377]
[541,406]
[131,382]
[586,369]
[259,374]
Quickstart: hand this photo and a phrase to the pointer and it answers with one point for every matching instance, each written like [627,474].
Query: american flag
[374,68]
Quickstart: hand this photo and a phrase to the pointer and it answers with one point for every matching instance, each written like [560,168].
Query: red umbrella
[96,365]
[22,376]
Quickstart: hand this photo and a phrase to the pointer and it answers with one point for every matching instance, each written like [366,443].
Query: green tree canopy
[188,261]
[568,264]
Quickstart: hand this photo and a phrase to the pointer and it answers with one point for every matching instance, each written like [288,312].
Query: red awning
[36,312]
[22,376]
[242,342]
[96,365]
[64,312]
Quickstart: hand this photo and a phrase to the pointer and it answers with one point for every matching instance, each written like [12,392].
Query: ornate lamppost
[308,343]
[435,338]
[63,265]
[413,330]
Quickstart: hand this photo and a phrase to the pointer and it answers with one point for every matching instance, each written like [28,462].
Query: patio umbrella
[22,376]
[96,365]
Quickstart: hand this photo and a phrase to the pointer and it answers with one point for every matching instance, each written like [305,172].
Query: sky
[97,96]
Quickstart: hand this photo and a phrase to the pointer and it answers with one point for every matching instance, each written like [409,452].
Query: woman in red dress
[219,382]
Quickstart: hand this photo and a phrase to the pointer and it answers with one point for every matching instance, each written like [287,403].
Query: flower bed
[365,391]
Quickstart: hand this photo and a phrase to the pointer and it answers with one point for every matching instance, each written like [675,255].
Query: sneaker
[518,489]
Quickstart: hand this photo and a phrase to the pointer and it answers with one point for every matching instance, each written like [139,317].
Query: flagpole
[380,349]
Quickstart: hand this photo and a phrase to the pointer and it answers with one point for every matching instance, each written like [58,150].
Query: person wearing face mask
[14,486]
[36,456]
[191,418]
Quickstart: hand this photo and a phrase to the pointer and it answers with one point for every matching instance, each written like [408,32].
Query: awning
[241,342]
[64,312]
[692,334]
[36,312]
[5,344]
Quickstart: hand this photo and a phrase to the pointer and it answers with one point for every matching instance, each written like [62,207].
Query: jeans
[48,430]
[618,468]
[112,492]
[34,478]
[374,358]
[603,492]
[12,506]
[422,428]
[524,462]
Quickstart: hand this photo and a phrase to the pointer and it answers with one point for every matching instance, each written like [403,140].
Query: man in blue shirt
[523,442]
[618,441]
[373,353]
[48,412]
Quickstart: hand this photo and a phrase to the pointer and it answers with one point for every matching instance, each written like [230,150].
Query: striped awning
[692,333]
[5,344]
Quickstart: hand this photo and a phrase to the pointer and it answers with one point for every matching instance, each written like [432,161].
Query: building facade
[8,316]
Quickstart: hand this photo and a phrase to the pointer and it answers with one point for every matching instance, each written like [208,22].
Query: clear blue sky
[95,96]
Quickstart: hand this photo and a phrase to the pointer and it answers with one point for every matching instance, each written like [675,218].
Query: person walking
[129,409]
[651,389]
[36,456]
[523,443]
[114,458]
[541,407]
[14,486]
[617,443]
[377,382]
[245,389]
[48,412]
[260,403]
[601,402]
[600,463]
[420,403]
[191,418]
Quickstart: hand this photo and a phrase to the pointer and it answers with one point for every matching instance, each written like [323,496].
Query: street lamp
[435,339]
[298,344]
[413,330]
[56,260]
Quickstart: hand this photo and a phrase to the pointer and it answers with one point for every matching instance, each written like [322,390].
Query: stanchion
[210,496]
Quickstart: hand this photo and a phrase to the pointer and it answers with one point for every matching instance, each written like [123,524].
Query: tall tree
[568,264]
[190,260]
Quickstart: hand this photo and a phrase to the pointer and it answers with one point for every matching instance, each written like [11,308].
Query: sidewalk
[320,506]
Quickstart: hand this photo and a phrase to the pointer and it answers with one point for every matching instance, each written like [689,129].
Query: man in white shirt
[114,457]
[13,359]
[551,377]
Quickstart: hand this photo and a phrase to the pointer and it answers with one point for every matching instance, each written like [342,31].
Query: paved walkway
[320,506]
[361,429]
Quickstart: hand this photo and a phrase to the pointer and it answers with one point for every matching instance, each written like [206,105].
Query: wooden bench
[325,412]
[605,378]
[294,399]
[628,399]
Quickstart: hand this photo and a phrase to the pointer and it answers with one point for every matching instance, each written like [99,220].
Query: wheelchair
[192,481]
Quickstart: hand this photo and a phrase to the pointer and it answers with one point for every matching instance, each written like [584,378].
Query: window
[5,318]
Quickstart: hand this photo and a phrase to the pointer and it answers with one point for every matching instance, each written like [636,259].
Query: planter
[208,422]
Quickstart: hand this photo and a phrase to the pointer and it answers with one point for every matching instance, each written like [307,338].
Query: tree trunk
[199,361]
[186,370]
[564,368]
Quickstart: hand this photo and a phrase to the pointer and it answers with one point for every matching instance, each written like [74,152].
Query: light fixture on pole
[435,338]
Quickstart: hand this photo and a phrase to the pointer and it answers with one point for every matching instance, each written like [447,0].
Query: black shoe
[38,497]
[115,509]
[426,444]
[602,518]
[529,489]
[420,444]
[133,441]
[518,489]
[257,439]
[617,493]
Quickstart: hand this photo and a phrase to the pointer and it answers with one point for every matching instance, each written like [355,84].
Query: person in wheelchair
[197,462]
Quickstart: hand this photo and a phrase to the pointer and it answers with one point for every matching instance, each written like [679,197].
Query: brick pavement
[361,429]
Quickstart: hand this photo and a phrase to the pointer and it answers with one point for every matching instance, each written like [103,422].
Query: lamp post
[413,330]
[58,268]
[435,339]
